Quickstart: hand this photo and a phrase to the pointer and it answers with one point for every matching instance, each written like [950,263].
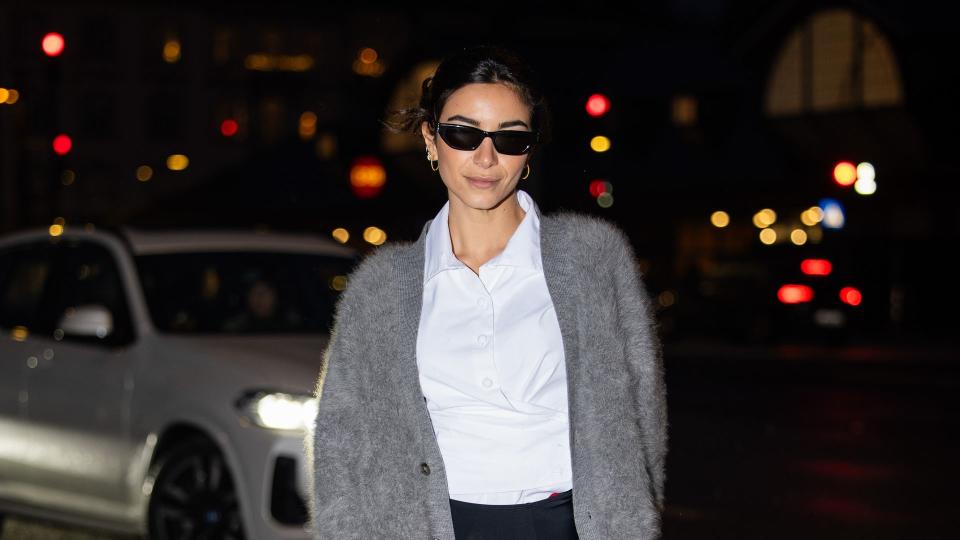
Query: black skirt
[550,518]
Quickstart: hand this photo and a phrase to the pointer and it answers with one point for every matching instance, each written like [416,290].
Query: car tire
[193,495]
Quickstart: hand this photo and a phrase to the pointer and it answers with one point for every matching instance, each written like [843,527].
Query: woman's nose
[486,154]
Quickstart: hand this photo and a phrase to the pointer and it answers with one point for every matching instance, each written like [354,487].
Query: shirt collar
[522,250]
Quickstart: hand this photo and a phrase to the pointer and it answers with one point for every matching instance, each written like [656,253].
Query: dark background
[780,427]
[124,106]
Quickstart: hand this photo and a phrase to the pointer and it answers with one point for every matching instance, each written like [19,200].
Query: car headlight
[278,410]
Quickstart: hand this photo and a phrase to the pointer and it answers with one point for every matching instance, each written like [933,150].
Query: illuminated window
[223,44]
[835,60]
[271,121]
[163,46]
[684,110]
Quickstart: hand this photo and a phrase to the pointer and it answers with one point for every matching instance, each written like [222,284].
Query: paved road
[18,529]
[805,443]
[795,443]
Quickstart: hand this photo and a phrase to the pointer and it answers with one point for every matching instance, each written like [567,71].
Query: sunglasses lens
[513,143]
[461,137]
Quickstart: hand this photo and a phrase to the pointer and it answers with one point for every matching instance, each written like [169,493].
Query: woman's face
[480,178]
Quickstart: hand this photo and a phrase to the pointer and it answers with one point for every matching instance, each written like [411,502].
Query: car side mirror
[91,320]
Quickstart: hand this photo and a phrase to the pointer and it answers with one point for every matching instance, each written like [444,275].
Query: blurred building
[246,113]
[188,114]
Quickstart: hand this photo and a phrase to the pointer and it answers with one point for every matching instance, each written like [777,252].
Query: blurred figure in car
[261,313]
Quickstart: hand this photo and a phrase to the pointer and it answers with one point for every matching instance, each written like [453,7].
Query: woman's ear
[429,140]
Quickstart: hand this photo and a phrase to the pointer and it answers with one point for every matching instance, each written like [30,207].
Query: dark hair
[480,64]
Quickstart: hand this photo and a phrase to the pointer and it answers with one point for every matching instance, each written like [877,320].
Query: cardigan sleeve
[339,446]
[329,443]
[645,359]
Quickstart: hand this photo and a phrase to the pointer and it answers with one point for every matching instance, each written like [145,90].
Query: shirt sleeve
[645,359]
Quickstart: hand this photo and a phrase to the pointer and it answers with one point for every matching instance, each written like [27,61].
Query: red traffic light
[62,144]
[229,127]
[598,187]
[816,267]
[598,105]
[851,296]
[795,294]
[53,44]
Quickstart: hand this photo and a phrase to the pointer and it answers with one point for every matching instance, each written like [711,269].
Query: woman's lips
[481,182]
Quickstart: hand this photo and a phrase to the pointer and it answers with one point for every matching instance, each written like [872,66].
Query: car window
[24,281]
[242,293]
[88,274]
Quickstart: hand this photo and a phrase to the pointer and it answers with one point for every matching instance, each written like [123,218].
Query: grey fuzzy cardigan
[375,466]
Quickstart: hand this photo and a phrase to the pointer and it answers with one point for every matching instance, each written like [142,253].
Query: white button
[488,382]
[482,340]
[482,302]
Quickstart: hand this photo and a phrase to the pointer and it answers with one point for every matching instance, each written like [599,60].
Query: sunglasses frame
[491,134]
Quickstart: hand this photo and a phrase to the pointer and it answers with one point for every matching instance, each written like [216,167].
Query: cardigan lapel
[408,271]
[560,273]
[410,277]
[562,283]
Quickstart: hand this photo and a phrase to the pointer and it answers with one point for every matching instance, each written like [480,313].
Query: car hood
[277,362]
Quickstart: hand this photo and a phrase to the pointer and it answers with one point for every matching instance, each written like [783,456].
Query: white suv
[160,383]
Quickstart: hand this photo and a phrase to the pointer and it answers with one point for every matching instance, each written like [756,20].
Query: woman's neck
[479,235]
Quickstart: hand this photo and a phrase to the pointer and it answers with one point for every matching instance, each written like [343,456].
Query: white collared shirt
[491,363]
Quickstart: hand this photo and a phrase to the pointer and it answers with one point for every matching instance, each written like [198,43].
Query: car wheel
[193,495]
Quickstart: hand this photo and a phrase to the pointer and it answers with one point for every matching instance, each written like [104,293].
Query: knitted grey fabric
[377,471]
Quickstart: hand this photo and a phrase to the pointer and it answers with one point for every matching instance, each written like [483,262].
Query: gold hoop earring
[524,177]
[432,161]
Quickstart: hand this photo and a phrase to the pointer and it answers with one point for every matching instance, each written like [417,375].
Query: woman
[500,377]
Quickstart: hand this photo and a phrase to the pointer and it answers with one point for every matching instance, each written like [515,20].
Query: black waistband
[551,502]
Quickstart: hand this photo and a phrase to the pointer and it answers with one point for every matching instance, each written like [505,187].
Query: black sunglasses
[511,143]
